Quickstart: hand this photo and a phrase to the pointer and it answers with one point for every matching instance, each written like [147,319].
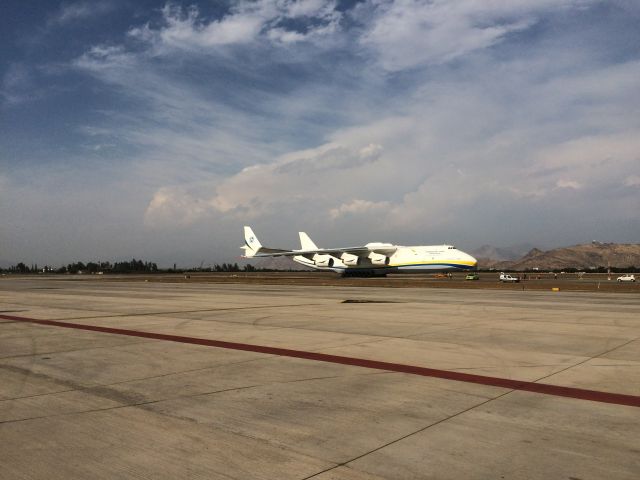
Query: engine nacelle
[323,260]
[350,259]
[378,259]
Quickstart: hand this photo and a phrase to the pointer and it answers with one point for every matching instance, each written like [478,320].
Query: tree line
[133,266]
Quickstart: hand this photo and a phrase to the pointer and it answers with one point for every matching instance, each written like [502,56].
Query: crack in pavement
[137,403]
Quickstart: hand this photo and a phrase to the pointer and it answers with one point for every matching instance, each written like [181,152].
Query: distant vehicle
[472,276]
[626,278]
[505,277]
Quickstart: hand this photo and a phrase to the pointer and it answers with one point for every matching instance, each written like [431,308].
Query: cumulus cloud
[594,161]
[173,207]
[311,179]
[358,208]
[292,181]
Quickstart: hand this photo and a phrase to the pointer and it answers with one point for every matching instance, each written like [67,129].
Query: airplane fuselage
[371,259]
[416,259]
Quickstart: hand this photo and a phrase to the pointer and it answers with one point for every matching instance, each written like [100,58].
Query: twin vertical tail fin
[253,247]
[251,243]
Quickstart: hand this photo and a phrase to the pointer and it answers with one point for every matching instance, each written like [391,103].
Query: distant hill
[582,257]
[488,255]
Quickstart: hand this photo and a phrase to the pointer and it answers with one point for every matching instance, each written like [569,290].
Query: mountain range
[582,257]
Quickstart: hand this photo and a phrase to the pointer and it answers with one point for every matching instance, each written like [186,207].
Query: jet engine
[323,260]
[350,259]
[378,259]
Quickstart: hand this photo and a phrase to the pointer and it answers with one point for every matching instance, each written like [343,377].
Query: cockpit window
[451,247]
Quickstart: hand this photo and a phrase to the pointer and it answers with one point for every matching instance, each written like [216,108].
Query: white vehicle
[370,259]
[505,277]
[626,278]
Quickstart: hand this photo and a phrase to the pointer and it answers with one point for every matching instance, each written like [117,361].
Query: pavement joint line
[420,430]
[589,359]
[128,405]
[379,338]
[123,382]
[89,388]
[55,352]
[518,366]
[616,364]
[115,315]
[118,315]
[521,385]
[168,399]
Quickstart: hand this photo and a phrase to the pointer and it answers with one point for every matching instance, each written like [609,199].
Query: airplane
[372,259]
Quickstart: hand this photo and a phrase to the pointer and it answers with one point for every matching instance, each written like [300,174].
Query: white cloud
[570,184]
[173,207]
[591,161]
[101,58]
[17,84]
[632,181]
[318,175]
[184,30]
[244,23]
[285,36]
[450,152]
[76,11]
[311,179]
[410,33]
[327,157]
[359,207]
[308,8]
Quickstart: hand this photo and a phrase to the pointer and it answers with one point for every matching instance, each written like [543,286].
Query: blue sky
[157,129]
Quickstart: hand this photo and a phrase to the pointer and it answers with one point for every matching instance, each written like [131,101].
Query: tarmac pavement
[88,404]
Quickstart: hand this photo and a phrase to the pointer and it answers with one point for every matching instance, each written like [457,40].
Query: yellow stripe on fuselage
[435,262]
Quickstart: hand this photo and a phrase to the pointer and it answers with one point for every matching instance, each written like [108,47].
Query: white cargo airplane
[370,259]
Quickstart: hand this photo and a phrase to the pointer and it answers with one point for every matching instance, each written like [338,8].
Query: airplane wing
[362,251]
[253,248]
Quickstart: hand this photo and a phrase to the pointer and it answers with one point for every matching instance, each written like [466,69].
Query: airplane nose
[473,261]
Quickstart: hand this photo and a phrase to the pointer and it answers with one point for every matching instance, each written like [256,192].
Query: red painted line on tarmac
[556,390]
